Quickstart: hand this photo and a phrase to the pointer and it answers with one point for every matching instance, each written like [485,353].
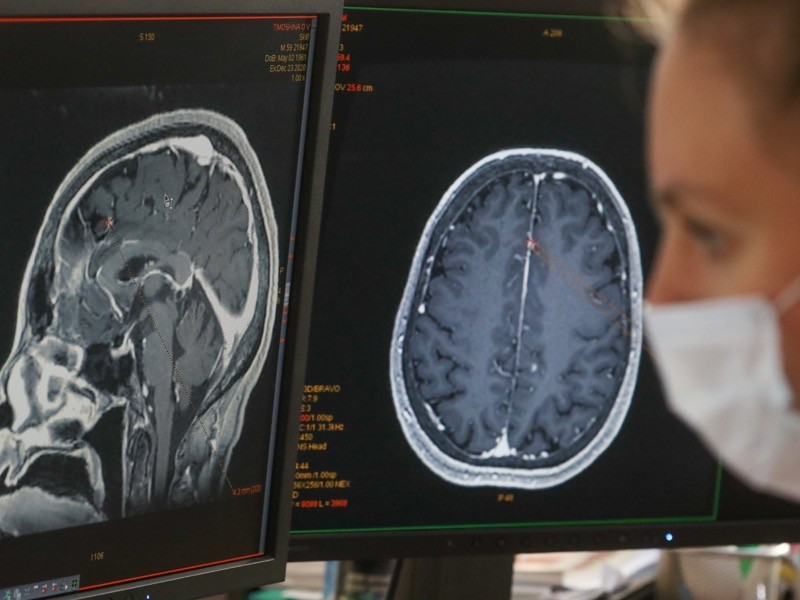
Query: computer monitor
[161,169]
[478,379]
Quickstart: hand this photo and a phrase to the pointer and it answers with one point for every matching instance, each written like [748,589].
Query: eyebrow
[666,197]
[669,198]
[680,198]
[675,196]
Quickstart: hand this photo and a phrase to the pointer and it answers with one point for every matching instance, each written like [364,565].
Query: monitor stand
[453,578]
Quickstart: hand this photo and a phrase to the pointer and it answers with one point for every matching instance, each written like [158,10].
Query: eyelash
[715,243]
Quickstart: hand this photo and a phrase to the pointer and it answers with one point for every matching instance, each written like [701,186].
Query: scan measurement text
[319,485]
[346,63]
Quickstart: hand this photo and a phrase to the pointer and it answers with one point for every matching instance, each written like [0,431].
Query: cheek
[776,248]
[686,270]
[759,264]
[734,273]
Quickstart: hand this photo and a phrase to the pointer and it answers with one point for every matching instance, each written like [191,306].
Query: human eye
[713,240]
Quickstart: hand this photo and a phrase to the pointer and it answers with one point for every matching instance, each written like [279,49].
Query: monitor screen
[154,173]
[478,379]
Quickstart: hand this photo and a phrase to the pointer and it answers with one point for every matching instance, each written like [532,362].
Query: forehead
[701,127]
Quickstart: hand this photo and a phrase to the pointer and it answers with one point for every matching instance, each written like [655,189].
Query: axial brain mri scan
[144,319]
[518,337]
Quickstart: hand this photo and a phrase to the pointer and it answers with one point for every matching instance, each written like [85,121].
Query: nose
[671,274]
[6,412]
[18,377]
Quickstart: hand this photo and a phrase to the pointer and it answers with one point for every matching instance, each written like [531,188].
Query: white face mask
[722,369]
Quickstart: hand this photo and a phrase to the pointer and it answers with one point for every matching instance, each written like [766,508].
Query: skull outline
[72,406]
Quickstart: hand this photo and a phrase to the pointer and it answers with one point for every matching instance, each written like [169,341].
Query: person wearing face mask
[723,313]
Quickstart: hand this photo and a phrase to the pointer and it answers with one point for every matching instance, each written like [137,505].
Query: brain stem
[159,369]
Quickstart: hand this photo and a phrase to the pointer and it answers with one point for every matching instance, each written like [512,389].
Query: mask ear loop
[788,297]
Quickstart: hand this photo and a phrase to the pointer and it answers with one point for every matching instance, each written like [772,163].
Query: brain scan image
[144,319]
[517,341]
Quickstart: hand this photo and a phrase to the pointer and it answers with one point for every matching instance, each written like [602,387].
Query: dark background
[449,90]
[46,129]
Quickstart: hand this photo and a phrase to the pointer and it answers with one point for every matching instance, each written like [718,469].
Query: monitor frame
[271,567]
[472,541]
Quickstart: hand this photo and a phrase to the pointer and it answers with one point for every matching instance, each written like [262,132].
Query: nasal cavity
[6,415]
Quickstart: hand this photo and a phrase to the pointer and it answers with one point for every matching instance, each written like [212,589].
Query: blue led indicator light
[669,537]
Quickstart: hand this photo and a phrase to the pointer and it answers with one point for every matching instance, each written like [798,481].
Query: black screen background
[46,128]
[448,91]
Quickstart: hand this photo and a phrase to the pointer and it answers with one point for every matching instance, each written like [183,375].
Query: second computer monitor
[478,378]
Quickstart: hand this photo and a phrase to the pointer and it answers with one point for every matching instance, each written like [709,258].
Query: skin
[728,202]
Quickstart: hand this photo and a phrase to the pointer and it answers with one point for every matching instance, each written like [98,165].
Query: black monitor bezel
[271,567]
[512,540]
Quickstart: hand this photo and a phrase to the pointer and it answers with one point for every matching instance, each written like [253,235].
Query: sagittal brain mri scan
[518,337]
[145,316]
